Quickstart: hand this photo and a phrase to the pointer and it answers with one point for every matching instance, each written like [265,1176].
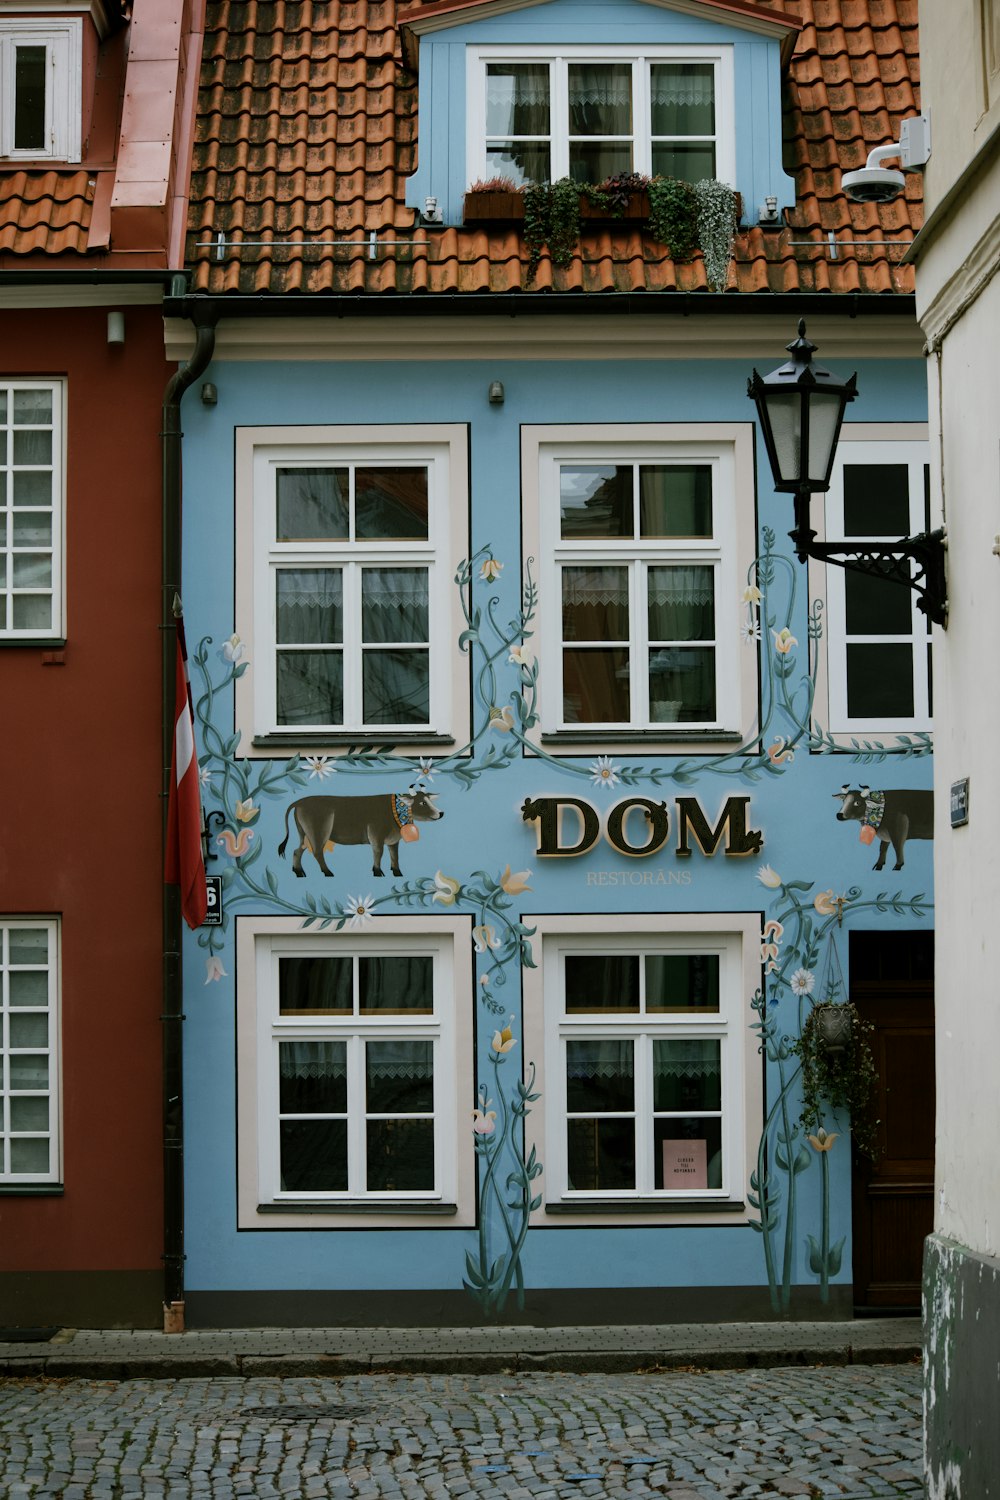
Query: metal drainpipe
[173,992]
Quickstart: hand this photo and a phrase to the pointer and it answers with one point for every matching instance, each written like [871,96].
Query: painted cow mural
[892,817]
[381,822]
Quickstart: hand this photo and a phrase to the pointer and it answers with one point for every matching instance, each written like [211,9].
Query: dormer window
[40,89]
[537,115]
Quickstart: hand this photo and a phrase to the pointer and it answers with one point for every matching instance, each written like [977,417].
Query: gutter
[198,306]
[173,991]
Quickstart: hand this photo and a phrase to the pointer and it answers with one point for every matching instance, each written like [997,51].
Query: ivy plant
[839,1078]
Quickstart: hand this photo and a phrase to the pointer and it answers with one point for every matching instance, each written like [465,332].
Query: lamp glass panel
[825,411]
[784,422]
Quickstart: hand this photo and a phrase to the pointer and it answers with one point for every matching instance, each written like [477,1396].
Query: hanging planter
[834,1025]
[838,1066]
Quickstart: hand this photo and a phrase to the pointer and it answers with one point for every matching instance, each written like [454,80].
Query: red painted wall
[80,779]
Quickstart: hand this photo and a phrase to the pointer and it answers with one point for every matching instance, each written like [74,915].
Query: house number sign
[639,827]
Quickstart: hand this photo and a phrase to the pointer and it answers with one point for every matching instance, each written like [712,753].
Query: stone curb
[183,1365]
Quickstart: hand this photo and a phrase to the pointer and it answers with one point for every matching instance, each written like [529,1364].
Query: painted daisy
[360,910]
[603,772]
[803,982]
[320,767]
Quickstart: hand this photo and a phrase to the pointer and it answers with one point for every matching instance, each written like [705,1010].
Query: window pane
[687,1153]
[400,1077]
[29,99]
[32,487]
[312,504]
[600,99]
[29,1030]
[682,982]
[689,163]
[595,604]
[313,1156]
[28,945]
[29,1156]
[875,606]
[396,986]
[675,500]
[682,96]
[390,503]
[31,528]
[31,407]
[395,605]
[28,989]
[602,982]
[876,500]
[520,160]
[312,1078]
[315,986]
[596,687]
[599,1075]
[682,685]
[32,570]
[32,612]
[28,1070]
[596,500]
[310,605]
[396,686]
[400,1156]
[32,446]
[601,1154]
[880,682]
[595,161]
[517,99]
[681,604]
[310,687]
[687,1074]
[29,1114]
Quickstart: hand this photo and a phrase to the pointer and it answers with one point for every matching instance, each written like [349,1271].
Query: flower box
[492,208]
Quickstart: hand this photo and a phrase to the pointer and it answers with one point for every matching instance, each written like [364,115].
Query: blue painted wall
[483,828]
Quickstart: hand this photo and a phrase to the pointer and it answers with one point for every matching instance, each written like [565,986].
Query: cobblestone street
[847,1432]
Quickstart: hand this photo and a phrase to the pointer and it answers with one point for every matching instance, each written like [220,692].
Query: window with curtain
[643,1039]
[636,557]
[31,518]
[879,644]
[540,116]
[356,1102]
[29,1052]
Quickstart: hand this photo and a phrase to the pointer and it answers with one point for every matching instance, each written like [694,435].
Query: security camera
[877,184]
[873,184]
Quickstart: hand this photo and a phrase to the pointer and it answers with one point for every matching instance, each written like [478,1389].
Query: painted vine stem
[490,1276]
[792,971]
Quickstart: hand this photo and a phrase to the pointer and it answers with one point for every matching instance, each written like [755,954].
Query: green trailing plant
[673,216]
[716,207]
[551,217]
[840,1076]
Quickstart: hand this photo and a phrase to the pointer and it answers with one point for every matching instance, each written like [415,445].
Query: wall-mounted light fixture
[116,328]
[800,408]
[496,393]
[431,212]
[209,394]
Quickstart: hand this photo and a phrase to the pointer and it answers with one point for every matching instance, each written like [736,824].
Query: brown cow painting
[892,817]
[380,821]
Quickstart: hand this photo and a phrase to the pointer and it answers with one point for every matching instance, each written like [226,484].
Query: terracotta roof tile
[45,213]
[307,133]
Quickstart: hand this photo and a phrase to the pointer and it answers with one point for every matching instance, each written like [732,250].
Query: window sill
[363,738]
[658,733]
[649,1206]
[31,1190]
[379,1206]
[34,642]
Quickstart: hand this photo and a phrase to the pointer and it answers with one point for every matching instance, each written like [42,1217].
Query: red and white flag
[185,861]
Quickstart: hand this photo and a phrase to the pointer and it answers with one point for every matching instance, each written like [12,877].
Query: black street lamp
[800,408]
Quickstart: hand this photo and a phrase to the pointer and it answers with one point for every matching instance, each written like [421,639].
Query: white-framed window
[29,1052]
[40,88]
[538,114]
[638,584]
[349,1079]
[879,643]
[651,1081]
[349,596]
[31,509]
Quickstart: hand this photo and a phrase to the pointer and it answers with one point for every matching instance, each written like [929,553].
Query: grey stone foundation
[961,1336]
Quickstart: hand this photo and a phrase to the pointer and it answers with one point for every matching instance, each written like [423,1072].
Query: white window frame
[865,445]
[720,56]
[260,452]
[722,552]
[56,628]
[735,937]
[10,1179]
[62,39]
[261,943]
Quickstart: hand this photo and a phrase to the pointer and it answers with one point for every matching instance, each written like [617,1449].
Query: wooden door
[892,984]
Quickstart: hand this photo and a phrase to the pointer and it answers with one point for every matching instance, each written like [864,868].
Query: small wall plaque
[960,802]
[213,916]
